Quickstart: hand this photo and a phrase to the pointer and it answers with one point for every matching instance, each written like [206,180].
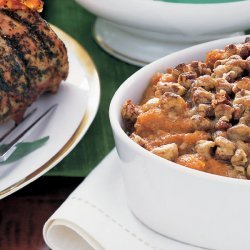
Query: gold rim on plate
[86,121]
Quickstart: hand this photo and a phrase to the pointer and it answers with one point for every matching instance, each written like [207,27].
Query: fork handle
[11,147]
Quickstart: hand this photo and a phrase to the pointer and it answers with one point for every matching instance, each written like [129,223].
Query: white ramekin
[188,205]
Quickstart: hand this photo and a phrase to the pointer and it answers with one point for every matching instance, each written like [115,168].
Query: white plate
[78,100]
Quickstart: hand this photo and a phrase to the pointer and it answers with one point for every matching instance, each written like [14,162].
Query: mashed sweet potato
[198,114]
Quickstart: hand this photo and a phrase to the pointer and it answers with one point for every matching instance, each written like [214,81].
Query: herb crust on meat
[33,60]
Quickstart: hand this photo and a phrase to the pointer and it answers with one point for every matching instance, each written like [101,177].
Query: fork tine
[16,125]
[6,152]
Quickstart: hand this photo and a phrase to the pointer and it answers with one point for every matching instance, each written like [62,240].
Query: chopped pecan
[241,170]
[205,110]
[225,148]
[231,67]
[223,110]
[244,146]
[186,79]
[239,132]
[205,81]
[244,83]
[179,69]
[238,111]
[239,158]
[245,119]
[163,87]
[221,97]
[200,95]
[248,171]
[139,140]
[243,100]
[129,114]
[204,148]
[219,133]
[173,104]
[200,68]
[168,151]
[230,50]
[248,63]
[223,124]
[201,123]
[244,50]
[223,84]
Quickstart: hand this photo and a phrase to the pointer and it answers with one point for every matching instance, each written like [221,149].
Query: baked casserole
[198,114]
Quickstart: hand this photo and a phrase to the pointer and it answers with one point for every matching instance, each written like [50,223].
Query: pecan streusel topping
[198,114]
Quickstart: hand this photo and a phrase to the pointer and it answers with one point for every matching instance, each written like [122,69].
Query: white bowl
[188,205]
[141,31]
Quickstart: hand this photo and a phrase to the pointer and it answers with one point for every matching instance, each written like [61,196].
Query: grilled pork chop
[33,60]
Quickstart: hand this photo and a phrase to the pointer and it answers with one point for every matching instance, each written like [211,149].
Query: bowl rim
[140,6]
[179,20]
[160,3]
[114,109]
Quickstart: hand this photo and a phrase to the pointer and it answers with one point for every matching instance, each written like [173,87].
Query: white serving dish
[141,31]
[184,204]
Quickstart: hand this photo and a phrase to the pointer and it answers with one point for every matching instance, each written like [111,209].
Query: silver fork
[18,124]
[8,149]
